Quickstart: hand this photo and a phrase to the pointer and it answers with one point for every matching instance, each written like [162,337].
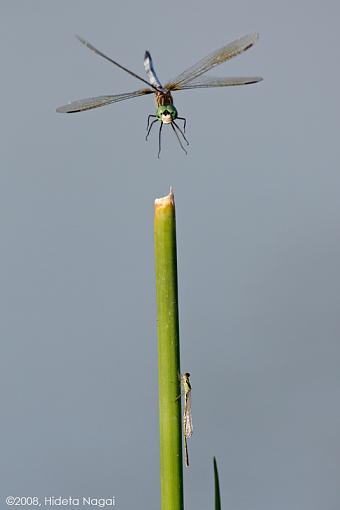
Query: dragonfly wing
[95,102]
[214,59]
[151,73]
[98,52]
[212,81]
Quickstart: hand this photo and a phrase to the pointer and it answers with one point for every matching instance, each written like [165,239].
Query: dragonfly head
[166,113]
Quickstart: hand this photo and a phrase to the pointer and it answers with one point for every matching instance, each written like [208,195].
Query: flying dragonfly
[166,112]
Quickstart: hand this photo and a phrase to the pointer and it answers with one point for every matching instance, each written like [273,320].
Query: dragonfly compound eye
[172,111]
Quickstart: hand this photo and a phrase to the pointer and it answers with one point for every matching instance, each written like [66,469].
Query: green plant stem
[171,470]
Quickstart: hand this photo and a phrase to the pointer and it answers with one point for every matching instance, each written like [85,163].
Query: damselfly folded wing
[95,102]
[214,59]
[187,416]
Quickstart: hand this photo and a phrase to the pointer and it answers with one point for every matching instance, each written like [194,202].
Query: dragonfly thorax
[166,113]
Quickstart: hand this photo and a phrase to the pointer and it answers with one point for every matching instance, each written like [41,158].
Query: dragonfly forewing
[109,59]
[214,59]
[151,73]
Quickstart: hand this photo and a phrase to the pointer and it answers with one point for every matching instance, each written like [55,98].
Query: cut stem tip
[168,200]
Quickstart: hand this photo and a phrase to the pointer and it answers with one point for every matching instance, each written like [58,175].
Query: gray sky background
[258,216]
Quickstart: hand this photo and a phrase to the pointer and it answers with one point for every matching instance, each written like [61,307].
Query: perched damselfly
[166,112]
[187,418]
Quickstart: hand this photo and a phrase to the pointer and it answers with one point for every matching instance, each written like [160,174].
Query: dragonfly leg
[185,122]
[159,138]
[178,138]
[149,129]
[182,132]
[149,117]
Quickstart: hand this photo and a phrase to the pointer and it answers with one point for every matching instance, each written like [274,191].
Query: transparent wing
[214,59]
[95,102]
[212,81]
[187,417]
[98,52]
